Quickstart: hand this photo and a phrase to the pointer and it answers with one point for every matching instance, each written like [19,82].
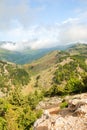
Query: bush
[2,124]
[64,105]
[74,85]
[26,119]
[55,90]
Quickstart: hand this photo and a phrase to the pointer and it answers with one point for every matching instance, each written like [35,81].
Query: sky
[42,23]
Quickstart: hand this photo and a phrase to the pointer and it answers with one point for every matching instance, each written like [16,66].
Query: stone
[72,118]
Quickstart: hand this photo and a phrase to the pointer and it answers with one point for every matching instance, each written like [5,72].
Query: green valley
[57,74]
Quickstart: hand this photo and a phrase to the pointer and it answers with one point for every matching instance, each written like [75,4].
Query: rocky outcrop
[49,103]
[72,118]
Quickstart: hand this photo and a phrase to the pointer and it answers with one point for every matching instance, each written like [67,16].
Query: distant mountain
[25,55]
[58,67]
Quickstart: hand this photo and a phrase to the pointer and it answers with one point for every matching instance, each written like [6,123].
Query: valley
[49,84]
[25,55]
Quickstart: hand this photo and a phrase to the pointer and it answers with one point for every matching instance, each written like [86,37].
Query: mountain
[55,68]
[24,55]
[58,67]
[56,80]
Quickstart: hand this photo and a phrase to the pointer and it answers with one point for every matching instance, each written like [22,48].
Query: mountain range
[25,55]
[47,83]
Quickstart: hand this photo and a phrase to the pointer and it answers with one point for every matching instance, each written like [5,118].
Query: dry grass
[29,88]
[86,61]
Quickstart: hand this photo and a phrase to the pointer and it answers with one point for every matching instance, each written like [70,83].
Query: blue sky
[42,23]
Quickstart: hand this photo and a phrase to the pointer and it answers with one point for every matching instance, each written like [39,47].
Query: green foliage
[64,104]
[12,75]
[39,113]
[20,76]
[84,80]
[65,72]
[80,59]
[26,118]
[52,91]
[55,90]
[33,99]
[16,97]
[74,85]
[17,112]
[2,124]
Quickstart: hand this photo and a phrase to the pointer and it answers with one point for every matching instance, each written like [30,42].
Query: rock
[43,125]
[49,103]
[72,118]
[76,103]
[46,114]
[81,111]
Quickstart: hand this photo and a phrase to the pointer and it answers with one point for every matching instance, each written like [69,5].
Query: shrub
[64,104]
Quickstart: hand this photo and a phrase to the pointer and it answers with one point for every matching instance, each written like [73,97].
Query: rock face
[72,118]
[49,103]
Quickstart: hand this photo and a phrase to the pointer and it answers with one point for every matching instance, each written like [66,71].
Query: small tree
[74,85]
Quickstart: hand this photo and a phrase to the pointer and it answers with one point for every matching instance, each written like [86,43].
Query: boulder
[72,118]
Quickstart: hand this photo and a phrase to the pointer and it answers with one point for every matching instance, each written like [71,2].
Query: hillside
[21,57]
[26,55]
[46,92]
[11,76]
[58,66]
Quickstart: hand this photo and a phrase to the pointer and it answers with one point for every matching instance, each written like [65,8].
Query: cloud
[9,46]
[16,18]
[70,20]
[68,31]
[75,33]
[33,37]
[19,10]
[73,30]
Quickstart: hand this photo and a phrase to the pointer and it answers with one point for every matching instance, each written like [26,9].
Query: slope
[58,66]
[26,55]
[11,76]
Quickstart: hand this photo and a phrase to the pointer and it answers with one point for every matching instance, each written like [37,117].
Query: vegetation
[69,76]
[18,112]
[23,57]
[12,75]
[64,104]
[73,86]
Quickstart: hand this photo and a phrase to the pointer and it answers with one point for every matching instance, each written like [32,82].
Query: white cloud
[33,37]
[9,46]
[70,20]
[69,31]
[19,10]
[75,33]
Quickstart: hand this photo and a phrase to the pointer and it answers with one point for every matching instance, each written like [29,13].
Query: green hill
[56,74]
[11,76]
[27,55]
[58,67]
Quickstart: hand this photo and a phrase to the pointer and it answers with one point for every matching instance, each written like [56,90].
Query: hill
[11,76]
[53,76]
[25,55]
[21,57]
[58,66]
